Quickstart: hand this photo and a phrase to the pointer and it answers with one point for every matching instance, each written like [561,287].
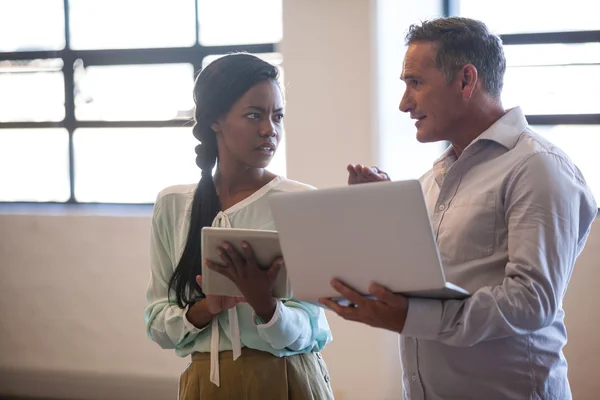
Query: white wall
[72,300]
[72,286]
[328,70]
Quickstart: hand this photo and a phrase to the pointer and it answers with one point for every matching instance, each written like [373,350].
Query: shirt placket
[447,177]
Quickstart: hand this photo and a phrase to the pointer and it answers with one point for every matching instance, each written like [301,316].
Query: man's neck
[476,121]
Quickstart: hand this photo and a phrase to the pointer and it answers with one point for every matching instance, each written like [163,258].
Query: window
[553,63]
[96,99]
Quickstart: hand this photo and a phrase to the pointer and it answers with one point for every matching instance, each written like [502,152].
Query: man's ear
[468,76]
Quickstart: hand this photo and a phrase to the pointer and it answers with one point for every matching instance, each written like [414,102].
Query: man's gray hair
[461,41]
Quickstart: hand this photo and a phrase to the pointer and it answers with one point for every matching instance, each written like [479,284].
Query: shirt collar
[506,130]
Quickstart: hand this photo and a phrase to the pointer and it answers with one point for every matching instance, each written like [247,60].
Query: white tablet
[266,249]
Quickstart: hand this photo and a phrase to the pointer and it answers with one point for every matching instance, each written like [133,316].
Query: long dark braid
[217,88]
[205,208]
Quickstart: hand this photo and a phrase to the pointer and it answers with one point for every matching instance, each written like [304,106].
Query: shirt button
[414,377]
[442,207]
[327,378]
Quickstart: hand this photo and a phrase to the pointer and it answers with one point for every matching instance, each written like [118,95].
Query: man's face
[429,98]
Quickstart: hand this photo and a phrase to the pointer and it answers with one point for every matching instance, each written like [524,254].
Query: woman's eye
[278,117]
[253,116]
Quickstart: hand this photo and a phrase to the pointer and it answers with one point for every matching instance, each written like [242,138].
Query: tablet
[266,250]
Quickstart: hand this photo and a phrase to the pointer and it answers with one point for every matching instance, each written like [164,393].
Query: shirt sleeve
[166,323]
[549,212]
[296,326]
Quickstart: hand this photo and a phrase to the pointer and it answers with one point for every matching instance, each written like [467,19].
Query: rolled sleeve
[423,318]
[295,326]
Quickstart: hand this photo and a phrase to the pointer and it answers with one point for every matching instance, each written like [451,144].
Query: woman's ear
[216,127]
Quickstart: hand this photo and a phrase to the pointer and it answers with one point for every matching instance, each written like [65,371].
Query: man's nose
[406,103]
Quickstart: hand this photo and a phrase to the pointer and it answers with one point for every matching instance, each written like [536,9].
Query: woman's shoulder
[176,196]
[289,185]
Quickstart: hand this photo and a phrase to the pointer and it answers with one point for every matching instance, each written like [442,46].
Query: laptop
[376,232]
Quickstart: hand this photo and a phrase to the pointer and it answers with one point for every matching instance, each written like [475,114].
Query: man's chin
[424,137]
[428,137]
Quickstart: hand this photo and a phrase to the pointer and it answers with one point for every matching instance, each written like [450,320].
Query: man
[511,213]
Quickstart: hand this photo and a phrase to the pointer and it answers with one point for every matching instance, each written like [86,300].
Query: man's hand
[361,174]
[255,283]
[387,312]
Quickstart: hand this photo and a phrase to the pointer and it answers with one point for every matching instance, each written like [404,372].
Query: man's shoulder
[531,143]
[532,147]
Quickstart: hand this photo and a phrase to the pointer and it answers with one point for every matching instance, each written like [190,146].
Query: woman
[255,347]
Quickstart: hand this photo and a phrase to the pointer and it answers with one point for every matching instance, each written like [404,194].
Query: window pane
[28,25]
[552,54]
[142,162]
[31,90]
[538,76]
[123,24]
[131,165]
[35,165]
[581,143]
[227,22]
[134,92]
[518,16]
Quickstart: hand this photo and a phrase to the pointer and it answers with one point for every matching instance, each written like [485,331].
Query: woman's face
[250,132]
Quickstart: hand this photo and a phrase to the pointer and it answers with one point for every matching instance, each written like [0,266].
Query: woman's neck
[231,181]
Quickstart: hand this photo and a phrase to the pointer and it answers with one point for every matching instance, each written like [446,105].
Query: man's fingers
[374,174]
[351,170]
[348,313]
[385,295]
[348,293]
[371,174]
[353,176]
[332,305]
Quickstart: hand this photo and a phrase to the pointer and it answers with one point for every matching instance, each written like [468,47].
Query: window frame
[108,57]
[451,8]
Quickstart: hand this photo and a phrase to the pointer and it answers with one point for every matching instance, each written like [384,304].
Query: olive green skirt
[257,375]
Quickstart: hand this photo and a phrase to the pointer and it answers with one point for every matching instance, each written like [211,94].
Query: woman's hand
[255,283]
[203,311]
